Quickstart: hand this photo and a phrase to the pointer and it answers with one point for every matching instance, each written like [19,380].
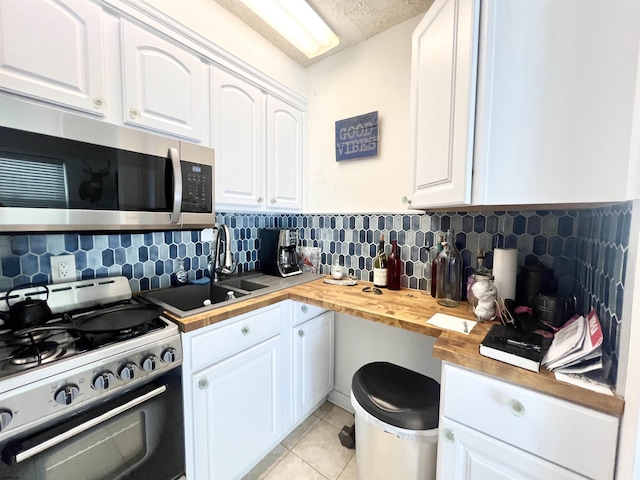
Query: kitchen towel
[505,270]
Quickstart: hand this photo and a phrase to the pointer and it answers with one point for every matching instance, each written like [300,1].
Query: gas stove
[52,372]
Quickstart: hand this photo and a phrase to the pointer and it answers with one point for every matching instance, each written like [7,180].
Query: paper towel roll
[505,270]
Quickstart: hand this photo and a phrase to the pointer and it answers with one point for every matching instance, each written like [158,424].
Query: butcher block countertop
[410,309]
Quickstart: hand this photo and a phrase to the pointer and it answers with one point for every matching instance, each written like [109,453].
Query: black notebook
[516,347]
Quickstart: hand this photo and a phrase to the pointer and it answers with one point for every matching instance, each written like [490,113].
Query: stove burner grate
[37,353]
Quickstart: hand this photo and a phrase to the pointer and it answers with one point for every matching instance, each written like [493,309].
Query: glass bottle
[380,266]
[449,274]
[434,266]
[394,267]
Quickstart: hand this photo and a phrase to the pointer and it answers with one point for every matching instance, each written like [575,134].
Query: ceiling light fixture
[296,21]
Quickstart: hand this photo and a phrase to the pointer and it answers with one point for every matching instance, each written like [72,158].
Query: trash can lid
[397,396]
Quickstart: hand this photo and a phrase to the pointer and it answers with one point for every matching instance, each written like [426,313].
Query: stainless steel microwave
[91,175]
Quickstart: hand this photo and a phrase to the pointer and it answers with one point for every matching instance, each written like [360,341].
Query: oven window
[103,454]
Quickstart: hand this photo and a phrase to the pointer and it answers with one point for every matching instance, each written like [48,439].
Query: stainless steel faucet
[226,266]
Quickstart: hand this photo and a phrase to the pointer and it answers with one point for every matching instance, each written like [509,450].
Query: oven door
[137,436]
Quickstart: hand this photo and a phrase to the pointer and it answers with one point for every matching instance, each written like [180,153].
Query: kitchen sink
[191,297]
[242,284]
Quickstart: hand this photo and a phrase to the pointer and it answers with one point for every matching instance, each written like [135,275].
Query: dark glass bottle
[434,266]
[394,267]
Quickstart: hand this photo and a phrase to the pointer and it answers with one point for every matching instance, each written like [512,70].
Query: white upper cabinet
[523,102]
[284,155]
[52,50]
[444,64]
[258,142]
[165,86]
[238,126]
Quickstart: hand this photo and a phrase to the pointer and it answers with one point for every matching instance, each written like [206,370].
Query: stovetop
[30,348]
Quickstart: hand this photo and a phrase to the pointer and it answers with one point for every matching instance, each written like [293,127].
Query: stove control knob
[169,355]
[102,381]
[67,394]
[127,371]
[149,363]
[5,419]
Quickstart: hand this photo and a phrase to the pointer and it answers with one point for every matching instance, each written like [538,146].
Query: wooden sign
[357,137]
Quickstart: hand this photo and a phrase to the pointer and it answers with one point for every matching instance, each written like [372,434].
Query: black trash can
[396,413]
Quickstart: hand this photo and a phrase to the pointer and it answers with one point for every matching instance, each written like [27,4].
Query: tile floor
[312,451]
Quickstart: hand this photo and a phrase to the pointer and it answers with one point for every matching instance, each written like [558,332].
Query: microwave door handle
[177,185]
[63,437]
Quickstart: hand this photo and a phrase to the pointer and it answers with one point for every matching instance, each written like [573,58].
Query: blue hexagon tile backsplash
[586,248]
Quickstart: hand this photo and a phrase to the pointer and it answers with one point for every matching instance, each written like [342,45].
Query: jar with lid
[449,274]
[483,296]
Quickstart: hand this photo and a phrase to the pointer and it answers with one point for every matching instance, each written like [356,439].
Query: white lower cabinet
[465,453]
[250,380]
[237,411]
[312,363]
[492,429]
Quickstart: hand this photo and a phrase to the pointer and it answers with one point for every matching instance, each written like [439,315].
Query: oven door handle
[41,447]
[174,217]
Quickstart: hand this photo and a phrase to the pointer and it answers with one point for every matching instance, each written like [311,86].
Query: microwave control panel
[197,187]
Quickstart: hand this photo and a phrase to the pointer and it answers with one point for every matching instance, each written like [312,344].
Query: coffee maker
[277,253]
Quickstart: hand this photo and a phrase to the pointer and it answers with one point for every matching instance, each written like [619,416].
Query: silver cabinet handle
[301,333]
[260,199]
[203,383]
[99,102]
[134,113]
[245,330]
[448,435]
[406,200]
[516,408]
[304,309]
[273,200]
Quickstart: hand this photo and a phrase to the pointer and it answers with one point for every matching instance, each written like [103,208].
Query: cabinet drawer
[572,436]
[303,312]
[241,333]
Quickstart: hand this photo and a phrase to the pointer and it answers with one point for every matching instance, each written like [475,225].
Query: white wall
[374,75]
[359,341]
[225,30]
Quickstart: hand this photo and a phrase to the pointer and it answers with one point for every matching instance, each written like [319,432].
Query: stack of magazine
[575,355]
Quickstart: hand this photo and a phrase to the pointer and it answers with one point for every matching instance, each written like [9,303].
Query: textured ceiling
[353,21]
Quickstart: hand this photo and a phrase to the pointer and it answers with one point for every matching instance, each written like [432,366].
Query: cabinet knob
[301,333]
[99,102]
[448,435]
[273,200]
[260,199]
[304,309]
[516,408]
[406,200]
[134,113]
[245,330]
[203,383]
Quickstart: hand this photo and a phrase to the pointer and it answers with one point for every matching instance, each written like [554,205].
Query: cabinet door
[443,88]
[313,362]
[237,418]
[466,454]
[239,140]
[164,85]
[284,156]
[52,50]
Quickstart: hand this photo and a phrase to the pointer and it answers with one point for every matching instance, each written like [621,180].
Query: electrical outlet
[63,268]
